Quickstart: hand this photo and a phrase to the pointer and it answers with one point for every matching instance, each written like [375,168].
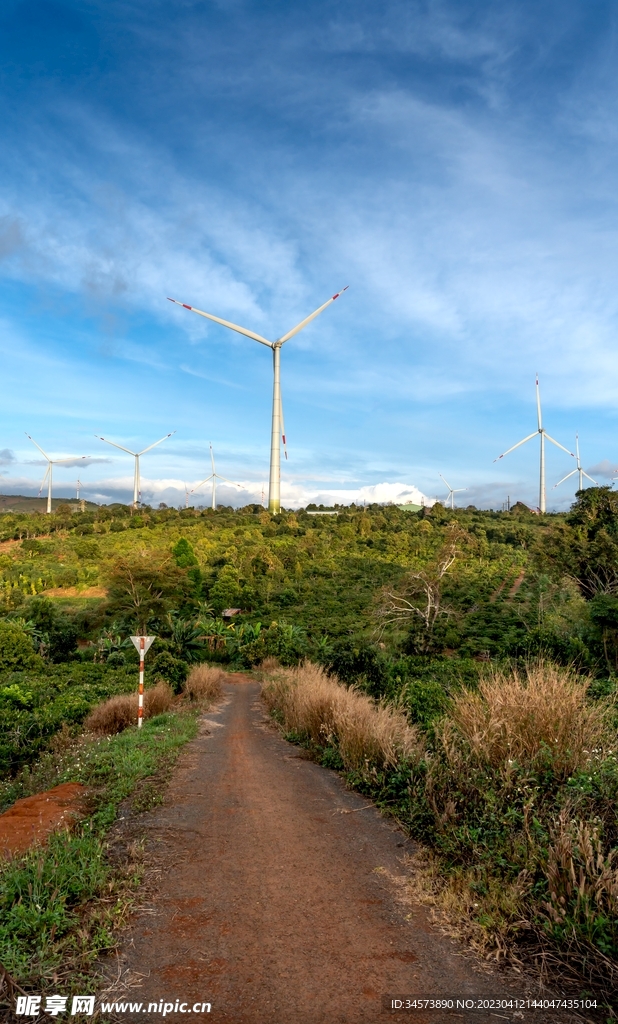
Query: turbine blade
[589,478]
[233,482]
[114,445]
[212,458]
[43,481]
[308,319]
[538,404]
[208,478]
[156,443]
[558,445]
[226,323]
[572,473]
[445,481]
[36,445]
[528,438]
[58,462]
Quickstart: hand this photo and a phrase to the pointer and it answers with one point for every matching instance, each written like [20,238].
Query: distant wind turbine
[277,431]
[136,456]
[452,491]
[579,470]
[214,476]
[542,433]
[48,472]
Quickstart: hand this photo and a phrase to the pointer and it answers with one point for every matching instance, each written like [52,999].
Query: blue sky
[454,163]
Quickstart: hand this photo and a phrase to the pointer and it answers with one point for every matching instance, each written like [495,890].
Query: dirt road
[275,902]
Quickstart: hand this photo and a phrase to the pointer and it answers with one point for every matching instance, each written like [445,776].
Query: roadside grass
[366,735]
[120,712]
[513,794]
[204,683]
[62,904]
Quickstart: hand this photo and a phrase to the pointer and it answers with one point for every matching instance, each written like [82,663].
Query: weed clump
[318,707]
[204,683]
[118,713]
[542,716]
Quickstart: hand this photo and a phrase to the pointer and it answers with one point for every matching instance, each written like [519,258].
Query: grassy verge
[61,905]
[513,794]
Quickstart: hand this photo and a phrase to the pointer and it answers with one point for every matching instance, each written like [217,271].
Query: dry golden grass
[268,666]
[318,706]
[580,871]
[515,718]
[204,683]
[118,713]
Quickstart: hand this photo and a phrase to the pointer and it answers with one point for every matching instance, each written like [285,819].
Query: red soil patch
[31,819]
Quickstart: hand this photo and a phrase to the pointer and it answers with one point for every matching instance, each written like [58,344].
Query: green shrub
[15,647]
[172,670]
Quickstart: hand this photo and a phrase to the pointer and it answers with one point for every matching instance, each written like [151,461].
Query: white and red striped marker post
[142,644]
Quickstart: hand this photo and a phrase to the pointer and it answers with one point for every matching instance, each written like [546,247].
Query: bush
[120,712]
[116,659]
[174,671]
[15,647]
[204,683]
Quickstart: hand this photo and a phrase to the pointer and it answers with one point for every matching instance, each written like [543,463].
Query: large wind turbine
[542,433]
[48,472]
[136,456]
[214,476]
[452,491]
[579,470]
[274,488]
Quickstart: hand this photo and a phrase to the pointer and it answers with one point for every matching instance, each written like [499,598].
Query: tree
[183,553]
[417,600]
[144,587]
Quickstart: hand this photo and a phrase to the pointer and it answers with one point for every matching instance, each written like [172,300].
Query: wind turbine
[48,472]
[579,470]
[136,456]
[274,486]
[214,476]
[452,491]
[542,433]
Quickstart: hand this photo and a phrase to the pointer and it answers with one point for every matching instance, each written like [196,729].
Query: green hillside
[489,631]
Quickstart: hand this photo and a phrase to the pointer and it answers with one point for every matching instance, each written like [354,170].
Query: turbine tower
[136,456]
[542,433]
[214,476]
[274,486]
[49,471]
[579,470]
[452,491]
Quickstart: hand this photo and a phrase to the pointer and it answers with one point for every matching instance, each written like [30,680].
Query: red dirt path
[277,899]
